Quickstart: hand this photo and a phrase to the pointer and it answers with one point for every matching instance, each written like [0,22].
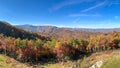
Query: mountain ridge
[43,28]
[57,32]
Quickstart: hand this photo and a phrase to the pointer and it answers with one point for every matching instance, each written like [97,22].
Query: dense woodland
[30,49]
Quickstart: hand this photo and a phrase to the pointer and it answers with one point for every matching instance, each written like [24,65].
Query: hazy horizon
[62,26]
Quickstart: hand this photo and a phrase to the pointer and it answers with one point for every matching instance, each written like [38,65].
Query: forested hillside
[12,31]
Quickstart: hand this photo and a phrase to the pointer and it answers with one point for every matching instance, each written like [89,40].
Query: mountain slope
[57,32]
[41,29]
[12,31]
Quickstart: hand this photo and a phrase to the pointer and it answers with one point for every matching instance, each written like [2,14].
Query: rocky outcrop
[97,64]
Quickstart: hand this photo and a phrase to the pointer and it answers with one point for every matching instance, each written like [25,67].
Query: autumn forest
[34,47]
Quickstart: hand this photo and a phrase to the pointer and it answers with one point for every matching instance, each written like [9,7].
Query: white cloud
[84,15]
[95,6]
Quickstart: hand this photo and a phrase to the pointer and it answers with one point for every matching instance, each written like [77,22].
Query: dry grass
[7,62]
[104,56]
[3,63]
[113,62]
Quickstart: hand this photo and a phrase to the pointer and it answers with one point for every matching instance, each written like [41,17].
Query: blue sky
[62,13]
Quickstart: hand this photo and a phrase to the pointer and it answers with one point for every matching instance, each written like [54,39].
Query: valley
[65,48]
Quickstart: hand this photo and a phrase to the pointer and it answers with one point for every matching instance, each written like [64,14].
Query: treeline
[60,50]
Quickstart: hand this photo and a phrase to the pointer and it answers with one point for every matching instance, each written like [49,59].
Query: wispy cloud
[95,6]
[116,17]
[73,2]
[76,20]
[84,15]
[67,3]
[100,24]
[115,2]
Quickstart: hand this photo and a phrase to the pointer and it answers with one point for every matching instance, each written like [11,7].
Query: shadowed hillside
[9,30]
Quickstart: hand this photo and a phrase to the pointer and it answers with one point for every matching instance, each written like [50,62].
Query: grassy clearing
[81,63]
[3,63]
[7,62]
[114,62]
